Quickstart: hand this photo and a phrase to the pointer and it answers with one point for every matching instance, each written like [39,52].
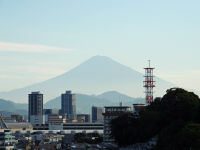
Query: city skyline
[90,74]
[42,39]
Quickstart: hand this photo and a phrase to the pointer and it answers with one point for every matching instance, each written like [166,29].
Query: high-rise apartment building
[97,114]
[68,105]
[35,105]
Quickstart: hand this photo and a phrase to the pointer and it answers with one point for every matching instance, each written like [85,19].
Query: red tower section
[149,84]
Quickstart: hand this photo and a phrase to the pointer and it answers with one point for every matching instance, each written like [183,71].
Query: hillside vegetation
[174,120]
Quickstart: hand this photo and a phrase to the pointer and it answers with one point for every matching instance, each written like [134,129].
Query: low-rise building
[138,107]
[37,119]
[19,126]
[56,122]
[83,117]
[41,127]
[83,126]
[48,112]
[56,119]
[17,118]
[50,141]
[7,140]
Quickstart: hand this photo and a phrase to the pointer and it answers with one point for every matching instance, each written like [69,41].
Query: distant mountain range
[85,102]
[9,107]
[94,76]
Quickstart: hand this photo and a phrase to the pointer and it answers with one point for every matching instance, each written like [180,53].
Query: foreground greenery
[91,138]
[174,119]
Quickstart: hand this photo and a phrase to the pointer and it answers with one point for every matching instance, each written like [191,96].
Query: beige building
[56,119]
[56,122]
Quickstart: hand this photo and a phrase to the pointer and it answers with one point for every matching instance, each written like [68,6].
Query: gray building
[68,105]
[48,112]
[51,111]
[97,114]
[35,108]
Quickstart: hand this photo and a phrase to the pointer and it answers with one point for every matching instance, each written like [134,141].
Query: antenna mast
[149,83]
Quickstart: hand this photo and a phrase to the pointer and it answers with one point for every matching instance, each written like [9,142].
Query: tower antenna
[149,83]
[149,63]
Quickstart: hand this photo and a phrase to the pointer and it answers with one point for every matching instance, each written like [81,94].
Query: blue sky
[42,39]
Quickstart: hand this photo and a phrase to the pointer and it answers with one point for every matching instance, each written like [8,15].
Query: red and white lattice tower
[149,84]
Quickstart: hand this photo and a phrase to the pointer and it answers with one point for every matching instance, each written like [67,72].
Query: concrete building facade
[68,105]
[56,120]
[97,114]
[83,117]
[48,112]
[7,140]
[35,108]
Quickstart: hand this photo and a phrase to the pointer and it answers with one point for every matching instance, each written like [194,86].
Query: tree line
[174,119]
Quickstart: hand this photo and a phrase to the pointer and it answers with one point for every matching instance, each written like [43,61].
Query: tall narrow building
[68,105]
[35,105]
[97,114]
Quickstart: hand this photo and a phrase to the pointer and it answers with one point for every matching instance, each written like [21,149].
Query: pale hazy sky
[40,39]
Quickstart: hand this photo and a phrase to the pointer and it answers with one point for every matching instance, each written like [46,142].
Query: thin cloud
[19,47]
[45,70]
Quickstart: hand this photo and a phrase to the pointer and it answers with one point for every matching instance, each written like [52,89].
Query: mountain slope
[115,96]
[9,106]
[85,102]
[96,75]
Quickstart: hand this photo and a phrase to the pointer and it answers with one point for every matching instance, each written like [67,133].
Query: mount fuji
[94,76]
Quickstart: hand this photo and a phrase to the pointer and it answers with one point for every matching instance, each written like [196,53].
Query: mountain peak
[95,75]
[101,68]
[100,59]
[104,65]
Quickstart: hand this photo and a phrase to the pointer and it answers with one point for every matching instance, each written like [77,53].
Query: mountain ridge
[84,102]
[96,75]
[9,106]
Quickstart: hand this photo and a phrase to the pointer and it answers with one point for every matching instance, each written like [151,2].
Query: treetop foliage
[173,118]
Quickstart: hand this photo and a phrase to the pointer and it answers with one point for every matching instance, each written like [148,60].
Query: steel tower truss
[149,84]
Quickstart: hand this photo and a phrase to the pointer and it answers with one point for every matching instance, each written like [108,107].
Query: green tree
[80,137]
[124,129]
[174,118]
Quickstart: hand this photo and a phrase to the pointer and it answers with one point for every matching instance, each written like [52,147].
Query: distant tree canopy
[92,138]
[175,119]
